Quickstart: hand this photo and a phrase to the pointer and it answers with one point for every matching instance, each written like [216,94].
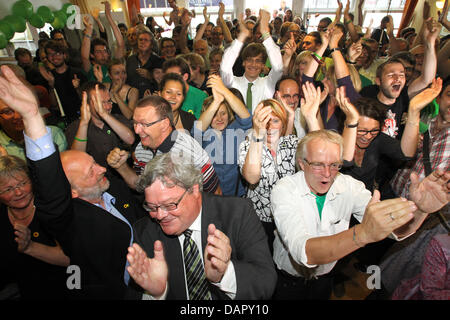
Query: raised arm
[86,44]
[431,32]
[202,29]
[185,23]
[351,123]
[410,137]
[215,82]
[340,66]
[251,169]
[349,23]
[226,32]
[310,106]
[313,64]
[120,49]
[80,139]
[443,61]
[205,119]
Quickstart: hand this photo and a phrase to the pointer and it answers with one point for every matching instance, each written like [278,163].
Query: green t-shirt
[194,101]
[320,200]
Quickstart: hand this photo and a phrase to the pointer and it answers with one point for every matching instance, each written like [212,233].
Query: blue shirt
[223,150]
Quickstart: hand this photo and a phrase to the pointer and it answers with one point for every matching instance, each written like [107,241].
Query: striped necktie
[195,274]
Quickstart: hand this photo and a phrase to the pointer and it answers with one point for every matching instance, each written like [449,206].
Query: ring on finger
[390,215]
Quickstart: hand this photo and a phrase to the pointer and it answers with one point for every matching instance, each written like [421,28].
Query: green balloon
[36,21]
[3,41]
[61,15]
[65,7]
[7,29]
[57,23]
[46,14]
[18,23]
[22,8]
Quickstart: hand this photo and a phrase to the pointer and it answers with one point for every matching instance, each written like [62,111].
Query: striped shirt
[183,145]
[439,159]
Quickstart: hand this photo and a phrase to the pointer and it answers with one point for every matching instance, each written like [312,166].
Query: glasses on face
[373,132]
[216,33]
[165,207]
[168,47]
[20,185]
[7,113]
[319,166]
[147,125]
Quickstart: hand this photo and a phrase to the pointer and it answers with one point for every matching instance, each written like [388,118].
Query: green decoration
[46,14]
[65,7]
[3,41]
[7,29]
[58,23]
[22,8]
[61,15]
[36,21]
[18,23]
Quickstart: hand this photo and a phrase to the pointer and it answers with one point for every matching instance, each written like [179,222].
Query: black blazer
[254,268]
[91,237]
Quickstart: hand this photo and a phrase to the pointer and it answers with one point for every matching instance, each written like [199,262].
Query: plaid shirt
[439,158]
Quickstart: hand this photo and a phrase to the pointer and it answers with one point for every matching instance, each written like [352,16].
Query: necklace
[177,118]
[20,219]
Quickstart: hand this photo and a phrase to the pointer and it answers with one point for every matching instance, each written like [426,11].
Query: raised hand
[422,99]
[117,158]
[85,110]
[335,36]
[98,103]
[244,33]
[221,9]
[355,51]
[205,14]
[150,274]
[432,193]
[16,94]
[351,114]
[98,73]
[261,118]
[290,46]
[215,82]
[217,254]
[309,105]
[431,31]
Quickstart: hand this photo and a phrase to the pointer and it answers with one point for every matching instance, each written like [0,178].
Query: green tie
[195,274]
[249,97]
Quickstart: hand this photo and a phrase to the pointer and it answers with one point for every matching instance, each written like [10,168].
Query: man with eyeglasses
[89,214]
[97,132]
[64,79]
[312,211]
[153,122]
[141,64]
[202,247]
[11,132]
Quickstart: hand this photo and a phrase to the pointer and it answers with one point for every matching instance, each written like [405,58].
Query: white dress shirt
[263,87]
[297,219]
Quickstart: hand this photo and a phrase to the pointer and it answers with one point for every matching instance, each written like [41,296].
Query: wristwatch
[255,139]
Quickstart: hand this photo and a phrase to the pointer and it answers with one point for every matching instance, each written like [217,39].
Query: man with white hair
[312,211]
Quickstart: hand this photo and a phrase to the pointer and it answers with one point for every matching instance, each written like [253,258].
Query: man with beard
[390,81]
[87,214]
[66,80]
[25,61]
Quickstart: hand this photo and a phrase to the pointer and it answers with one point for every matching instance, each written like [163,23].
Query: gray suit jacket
[253,264]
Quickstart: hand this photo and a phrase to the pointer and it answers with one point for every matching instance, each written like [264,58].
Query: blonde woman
[268,154]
